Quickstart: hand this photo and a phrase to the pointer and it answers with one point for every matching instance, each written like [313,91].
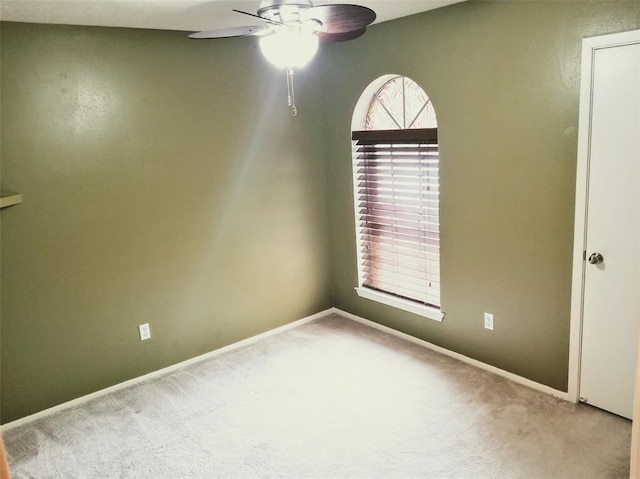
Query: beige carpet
[329,399]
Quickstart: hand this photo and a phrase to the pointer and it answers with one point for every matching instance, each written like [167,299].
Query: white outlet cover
[145,331]
[488,321]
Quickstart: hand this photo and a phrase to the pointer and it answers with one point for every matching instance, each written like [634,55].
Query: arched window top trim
[394,102]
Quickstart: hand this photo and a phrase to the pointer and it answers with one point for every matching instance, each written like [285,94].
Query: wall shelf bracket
[10,200]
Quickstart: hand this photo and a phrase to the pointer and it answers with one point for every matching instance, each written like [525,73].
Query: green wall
[504,79]
[164,181]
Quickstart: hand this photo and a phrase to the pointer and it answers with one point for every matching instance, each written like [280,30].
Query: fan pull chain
[291,92]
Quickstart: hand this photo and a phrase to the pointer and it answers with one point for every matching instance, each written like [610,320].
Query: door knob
[596,258]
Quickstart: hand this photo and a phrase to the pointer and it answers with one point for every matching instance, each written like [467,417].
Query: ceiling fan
[291,30]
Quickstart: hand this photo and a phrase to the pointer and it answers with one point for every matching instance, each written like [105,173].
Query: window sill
[403,304]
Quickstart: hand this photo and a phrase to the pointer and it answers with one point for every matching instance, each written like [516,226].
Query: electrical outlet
[488,321]
[145,331]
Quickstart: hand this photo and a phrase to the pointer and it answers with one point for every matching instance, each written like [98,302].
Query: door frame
[589,47]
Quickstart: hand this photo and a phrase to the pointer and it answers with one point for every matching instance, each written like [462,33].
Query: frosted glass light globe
[289,49]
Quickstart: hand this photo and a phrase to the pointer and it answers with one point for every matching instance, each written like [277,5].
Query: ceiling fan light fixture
[293,28]
[289,48]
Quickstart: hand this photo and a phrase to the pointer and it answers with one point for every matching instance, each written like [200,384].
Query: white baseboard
[161,372]
[253,339]
[473,362]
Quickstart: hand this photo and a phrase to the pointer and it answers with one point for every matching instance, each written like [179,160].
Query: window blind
[397,201]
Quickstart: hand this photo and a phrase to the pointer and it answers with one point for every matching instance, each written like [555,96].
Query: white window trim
[403,304]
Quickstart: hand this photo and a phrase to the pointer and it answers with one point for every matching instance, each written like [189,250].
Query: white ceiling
[186,15]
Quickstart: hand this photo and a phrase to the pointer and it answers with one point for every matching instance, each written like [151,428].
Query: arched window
[400,104]
[397,196]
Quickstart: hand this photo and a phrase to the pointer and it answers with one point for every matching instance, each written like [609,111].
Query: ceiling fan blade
[264,19]
[341,37]
[229,32]
[339,18]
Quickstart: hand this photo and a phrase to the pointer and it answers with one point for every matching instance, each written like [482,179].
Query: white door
[611,287]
